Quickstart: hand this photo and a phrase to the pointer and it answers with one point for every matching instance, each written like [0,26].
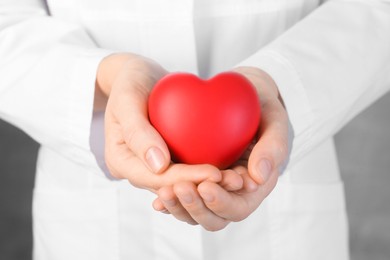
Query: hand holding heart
[214,207]
[136,151]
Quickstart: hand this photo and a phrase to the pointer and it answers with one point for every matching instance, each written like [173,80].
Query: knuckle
[239,217]
[283,148]
[134,136]
[135,184]
[130,136]
[278,147]
[155,185]
[143,65]
[192,222]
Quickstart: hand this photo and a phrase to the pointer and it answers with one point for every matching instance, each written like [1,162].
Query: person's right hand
[134,150]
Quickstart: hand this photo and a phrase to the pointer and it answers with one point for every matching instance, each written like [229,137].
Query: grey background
[364,154]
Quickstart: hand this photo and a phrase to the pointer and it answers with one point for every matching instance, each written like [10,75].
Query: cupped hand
[134,150]
[214,206]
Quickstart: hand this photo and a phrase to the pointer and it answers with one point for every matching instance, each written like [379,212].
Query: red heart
[205,121]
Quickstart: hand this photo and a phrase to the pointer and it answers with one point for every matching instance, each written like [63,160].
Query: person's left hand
[215,205]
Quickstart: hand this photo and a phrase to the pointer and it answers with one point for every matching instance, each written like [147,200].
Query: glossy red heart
[205,121]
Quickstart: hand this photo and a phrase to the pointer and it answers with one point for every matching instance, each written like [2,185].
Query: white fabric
[329,65]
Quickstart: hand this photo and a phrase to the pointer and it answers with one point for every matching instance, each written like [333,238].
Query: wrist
[262,81]
[108,70]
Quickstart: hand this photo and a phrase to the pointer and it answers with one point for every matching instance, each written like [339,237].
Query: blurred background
[364,154]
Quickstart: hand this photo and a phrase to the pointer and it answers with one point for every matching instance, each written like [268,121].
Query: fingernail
[215,177]
[207,197]
[264,170]
[155,159]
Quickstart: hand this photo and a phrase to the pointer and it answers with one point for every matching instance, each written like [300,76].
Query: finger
[233,206]
[245,156]
[248,184]
[231,180]
[173,206]
[222,202]
[158,205]
[146,143]
[271,150]
[122,162]
[189,198]
[182,173]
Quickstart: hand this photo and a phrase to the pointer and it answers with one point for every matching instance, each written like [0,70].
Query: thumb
[270,154]
[147,144]
[129,109]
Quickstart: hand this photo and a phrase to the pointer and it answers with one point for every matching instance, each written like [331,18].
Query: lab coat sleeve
[48,70]
[329,67]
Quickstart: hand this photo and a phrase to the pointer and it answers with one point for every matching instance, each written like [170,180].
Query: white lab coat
[329,60]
